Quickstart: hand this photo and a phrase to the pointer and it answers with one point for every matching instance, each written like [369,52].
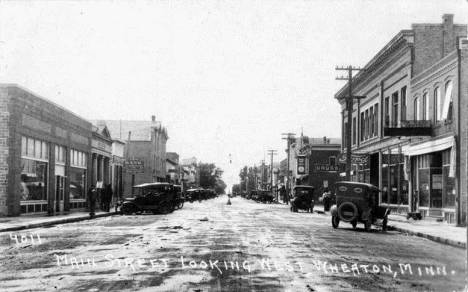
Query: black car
[151,197]
[358,202]
[302,198]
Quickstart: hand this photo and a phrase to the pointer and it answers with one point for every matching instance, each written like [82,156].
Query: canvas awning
[430,146]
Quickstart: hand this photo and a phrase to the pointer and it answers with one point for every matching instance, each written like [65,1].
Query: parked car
[302,198]
[180,197]
[358,202]
[151,197]
[193,195]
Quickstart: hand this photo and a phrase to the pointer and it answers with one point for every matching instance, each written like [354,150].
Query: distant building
[172,168]
[145,144]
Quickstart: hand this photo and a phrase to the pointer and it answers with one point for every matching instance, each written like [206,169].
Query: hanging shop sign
[301,164]
[356,158]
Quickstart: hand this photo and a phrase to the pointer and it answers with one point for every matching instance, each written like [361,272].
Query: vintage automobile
[302,198]
[193,195]
[358,202]
[157,197]
[180,197]
[265,196]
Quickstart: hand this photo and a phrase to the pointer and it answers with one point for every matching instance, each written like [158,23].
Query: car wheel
[181,205]
[384,223]
[368,223]
[335,221]
[347,212]
[354,224]
[127,209]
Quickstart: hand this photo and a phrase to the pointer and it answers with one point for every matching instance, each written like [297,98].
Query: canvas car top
[153,185]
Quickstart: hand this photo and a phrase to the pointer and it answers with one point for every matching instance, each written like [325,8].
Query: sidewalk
[435,231]
[34,221]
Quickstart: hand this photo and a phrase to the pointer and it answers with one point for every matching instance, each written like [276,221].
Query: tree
[210,177]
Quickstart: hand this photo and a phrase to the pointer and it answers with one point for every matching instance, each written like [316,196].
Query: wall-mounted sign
[356,158]
[301,164]
[326,168]
[134,166]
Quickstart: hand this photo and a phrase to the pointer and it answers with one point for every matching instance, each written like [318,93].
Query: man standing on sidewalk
[92,196]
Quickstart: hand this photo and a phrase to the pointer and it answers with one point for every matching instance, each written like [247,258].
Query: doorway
[59,193]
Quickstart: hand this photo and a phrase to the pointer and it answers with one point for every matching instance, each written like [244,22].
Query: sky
[226,78]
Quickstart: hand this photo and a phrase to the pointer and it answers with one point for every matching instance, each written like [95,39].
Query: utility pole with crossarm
[349,106]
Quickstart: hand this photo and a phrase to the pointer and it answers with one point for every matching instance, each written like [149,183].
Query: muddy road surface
[212,246]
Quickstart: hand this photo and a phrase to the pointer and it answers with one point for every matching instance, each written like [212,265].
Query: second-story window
[425,105]
[362,127]
[376,119]
[395,109]
[447,112]
[403,103]
[386,113]
[417,109]
[354,131]
[437,105]
[371,122]
[332,160]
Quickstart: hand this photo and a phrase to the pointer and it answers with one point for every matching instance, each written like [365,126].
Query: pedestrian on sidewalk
[106,197]
[326,195]
[92,197]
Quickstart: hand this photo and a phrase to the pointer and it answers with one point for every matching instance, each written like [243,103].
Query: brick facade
[24,114]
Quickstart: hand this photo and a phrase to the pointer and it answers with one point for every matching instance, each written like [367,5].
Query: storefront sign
[356,158]
[326,168]
[301,164]
[134,166]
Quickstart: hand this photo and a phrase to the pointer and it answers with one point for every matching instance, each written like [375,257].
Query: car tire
[127,209]
[180,205]
[368,223]
[343,207]
[354,224]
[335,221]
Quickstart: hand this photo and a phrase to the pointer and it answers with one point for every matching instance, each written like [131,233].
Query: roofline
[6,85]
[399,36]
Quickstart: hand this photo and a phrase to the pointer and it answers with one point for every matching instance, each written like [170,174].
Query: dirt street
[212,246]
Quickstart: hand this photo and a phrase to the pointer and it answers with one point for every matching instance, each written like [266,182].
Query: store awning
[434,146]
[430,146]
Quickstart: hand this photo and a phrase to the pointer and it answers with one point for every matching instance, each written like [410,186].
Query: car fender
[334,210]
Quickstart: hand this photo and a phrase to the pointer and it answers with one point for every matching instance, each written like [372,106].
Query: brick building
[146,143]
[409,126]
[44,155]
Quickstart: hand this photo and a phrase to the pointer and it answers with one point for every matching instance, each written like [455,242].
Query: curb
[438,239]
[55,222]
[430,237]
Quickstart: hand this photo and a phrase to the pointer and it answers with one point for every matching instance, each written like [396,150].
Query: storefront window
[385,177]
[33,180]
[77,183]
[424,180]
[448,192]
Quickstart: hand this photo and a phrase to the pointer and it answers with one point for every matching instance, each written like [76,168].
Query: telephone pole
[349,106]
[289,137]
[271,153]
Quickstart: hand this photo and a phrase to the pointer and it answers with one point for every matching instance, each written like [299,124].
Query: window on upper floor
[332,160]
[417,109]
[425,106]
[362,127]
[403,103]
[387,112]
[394,121]
[447,111]
[437,105]
[371,122]
[376,119]
[354,131]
